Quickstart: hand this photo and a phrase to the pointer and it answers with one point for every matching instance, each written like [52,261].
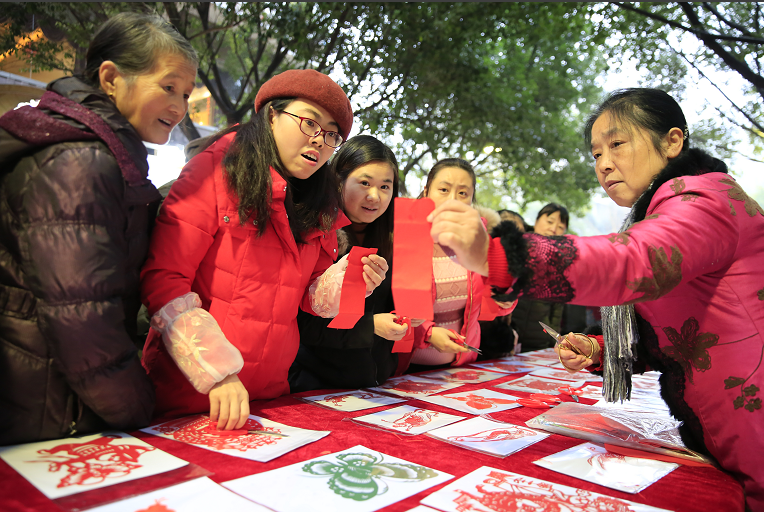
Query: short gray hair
[133,42]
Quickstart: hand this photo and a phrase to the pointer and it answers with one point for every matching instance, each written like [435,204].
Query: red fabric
[678,491]
[251,285]
[313,86]
[498,268]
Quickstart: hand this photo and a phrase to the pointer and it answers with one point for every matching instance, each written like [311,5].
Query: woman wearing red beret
[245,237]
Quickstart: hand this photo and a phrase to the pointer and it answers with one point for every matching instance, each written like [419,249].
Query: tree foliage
[433,80]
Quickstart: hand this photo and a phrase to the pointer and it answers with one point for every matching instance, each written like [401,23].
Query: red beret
[313,86]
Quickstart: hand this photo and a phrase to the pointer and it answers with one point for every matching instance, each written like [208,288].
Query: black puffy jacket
[75,209]
[353,358]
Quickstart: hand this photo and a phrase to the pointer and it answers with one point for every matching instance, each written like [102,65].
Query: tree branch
[724,20]
[697,32]
[740,66]
[333,41]
[739,109]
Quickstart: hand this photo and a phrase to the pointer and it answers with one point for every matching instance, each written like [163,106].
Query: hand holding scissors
[567,344]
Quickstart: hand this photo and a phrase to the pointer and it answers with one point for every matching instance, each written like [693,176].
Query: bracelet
[589,339]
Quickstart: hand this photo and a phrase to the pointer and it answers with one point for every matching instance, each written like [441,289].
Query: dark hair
[551,208]
[310,203]
[453,162]
[650,109]
[134,42]
[356,152]
[526,227]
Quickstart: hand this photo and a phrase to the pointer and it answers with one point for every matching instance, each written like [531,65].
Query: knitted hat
[313,86]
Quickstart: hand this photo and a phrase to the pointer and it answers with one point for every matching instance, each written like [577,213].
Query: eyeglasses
[311,128]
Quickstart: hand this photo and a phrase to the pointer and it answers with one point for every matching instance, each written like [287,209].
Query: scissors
[572,392]
[464,344]
[560,339]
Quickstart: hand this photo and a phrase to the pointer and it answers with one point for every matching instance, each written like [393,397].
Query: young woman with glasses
[245,237]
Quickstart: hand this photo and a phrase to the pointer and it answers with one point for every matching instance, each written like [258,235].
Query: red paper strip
[353,294]
[406,344]
[412,254]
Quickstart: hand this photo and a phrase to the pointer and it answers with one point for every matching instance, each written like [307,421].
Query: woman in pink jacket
[457,293]
[685,272]
[243,240]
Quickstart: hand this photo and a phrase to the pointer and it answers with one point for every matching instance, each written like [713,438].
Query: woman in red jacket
[242,241]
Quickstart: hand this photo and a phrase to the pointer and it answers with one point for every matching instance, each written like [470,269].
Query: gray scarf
[619,330]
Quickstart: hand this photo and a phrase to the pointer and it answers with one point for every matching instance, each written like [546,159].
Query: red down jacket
[253,286]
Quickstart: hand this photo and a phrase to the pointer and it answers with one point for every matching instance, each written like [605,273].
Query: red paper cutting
[353,294]
[406,344]
[412,254]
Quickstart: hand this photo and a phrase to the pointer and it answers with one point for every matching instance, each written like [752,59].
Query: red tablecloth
[685,489]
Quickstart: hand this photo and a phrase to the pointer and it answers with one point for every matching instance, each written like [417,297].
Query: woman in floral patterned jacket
[686,271]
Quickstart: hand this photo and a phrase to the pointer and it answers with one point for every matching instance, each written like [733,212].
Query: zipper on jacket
[468,312]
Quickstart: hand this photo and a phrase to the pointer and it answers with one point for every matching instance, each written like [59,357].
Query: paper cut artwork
[547,372]
[532,384]
[594,463]
[409,419]
[197,430]
[59,468]
[488,436]
[198,495]
[463,375]
[511,367]
[475,402]
[353,401]
[414,386]
[353,293]
[490,489]
[356,479]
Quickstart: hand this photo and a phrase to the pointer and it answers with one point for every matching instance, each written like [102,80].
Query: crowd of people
[241,267]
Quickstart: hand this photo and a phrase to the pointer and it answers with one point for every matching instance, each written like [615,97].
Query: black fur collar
[691,163]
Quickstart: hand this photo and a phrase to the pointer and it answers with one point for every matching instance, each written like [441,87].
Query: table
[685,489]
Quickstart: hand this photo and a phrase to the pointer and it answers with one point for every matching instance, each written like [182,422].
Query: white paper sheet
[195,430]
[491,489]
[196,496]
[593,463]
[414,386]
[353,401]
[564,375]
[463,375]
[409,419]
[508,367]
[475,402]
[356,479]
[488,436]
[64,467]
[533,384]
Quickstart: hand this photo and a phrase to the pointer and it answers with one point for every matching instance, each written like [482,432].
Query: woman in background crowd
[359,357]
[75,211]
[552,220]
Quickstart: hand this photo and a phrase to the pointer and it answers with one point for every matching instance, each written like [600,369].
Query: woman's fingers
[225,407]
